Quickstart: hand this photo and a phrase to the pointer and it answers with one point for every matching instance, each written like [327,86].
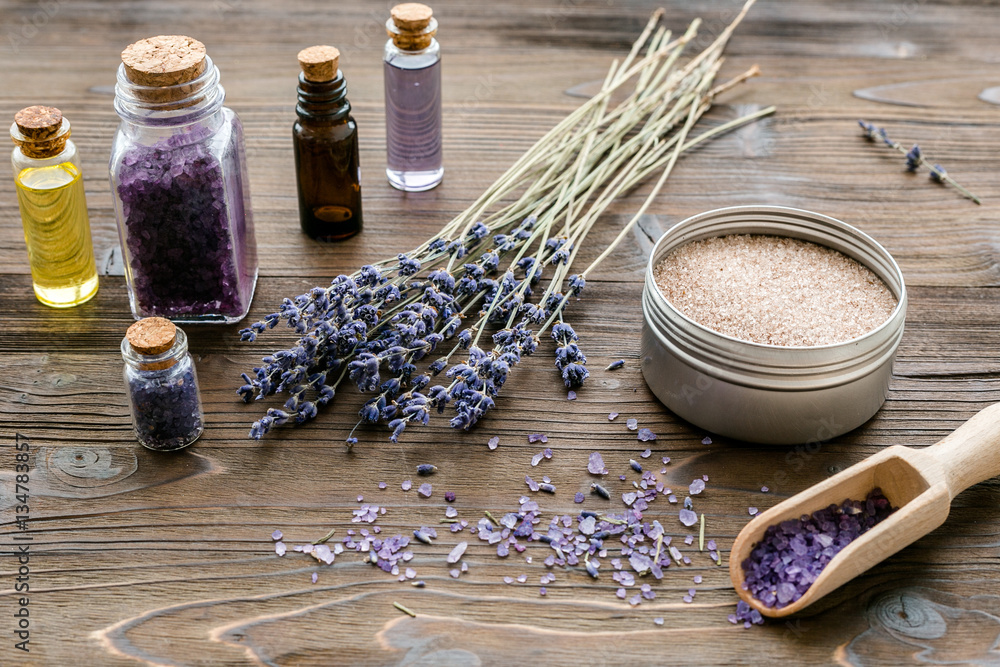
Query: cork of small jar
[151,336]
[40,131]
[164,61]
[411,20]
[319,63]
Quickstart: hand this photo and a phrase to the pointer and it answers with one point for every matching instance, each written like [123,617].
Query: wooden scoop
[920,482]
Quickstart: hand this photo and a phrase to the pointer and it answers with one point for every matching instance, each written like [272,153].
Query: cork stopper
[412,26]
[319,63]
[152,335]
[39,131]
[164,60]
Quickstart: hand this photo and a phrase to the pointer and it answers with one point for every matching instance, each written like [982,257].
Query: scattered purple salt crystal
[704,478]
[547,453]
[578,498]
[536,459]
[621,593]
[648,452]
[457,552]
[382,485]
[635,600]
[509,580]
[410,573]
[546,479]
[675,553]
[632,424]
[571,395]
[764,489]
[455,573]
[711,545]
[456,527]
[697,579]
[621,477]
[687,598]
[628,498]
[406,485]
[753,511]
[503,550]
[537,437]
[666,460]
[315,577]
[697,486]
[689,540]
[671,498]
[449,496]
[688,518]
[450,512]
[277,535]
[612,416]
[658,620]
[425,490]
[465,566]
[542,591]
[493,442]
[595,465]
[360,497]
[521,578]
[532,484]
[279,548]
[706,440]
[426,469]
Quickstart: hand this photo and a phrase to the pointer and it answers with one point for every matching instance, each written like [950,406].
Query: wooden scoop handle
[971,454]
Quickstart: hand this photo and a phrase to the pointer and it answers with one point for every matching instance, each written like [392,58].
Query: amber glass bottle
[326,149]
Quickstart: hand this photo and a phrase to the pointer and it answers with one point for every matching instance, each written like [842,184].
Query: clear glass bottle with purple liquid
[413,99]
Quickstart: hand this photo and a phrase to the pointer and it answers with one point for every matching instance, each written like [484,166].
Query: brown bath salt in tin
[771,324]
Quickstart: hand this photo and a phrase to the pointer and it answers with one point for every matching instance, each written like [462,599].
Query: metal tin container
[768,393]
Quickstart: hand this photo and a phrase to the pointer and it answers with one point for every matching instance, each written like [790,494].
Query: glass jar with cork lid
[53,208]
[162,385]
[179,180]
[413,99]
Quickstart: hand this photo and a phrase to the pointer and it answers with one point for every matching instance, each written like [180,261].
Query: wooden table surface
[168,560]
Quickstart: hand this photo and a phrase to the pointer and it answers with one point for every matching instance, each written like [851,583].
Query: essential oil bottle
[53,208]
[325,137]
[413,99]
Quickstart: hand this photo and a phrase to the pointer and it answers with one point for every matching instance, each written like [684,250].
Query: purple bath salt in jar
[413,99]
[162,385]
[179,180]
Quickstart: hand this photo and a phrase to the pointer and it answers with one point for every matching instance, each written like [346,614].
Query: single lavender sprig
[914,158]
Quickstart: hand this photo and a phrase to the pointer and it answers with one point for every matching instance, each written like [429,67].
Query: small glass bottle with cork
[413,99]
[325,139]
[179,181]
[162,385]
[53,208]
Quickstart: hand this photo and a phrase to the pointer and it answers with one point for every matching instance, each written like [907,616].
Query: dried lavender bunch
[914,158]
[480,272]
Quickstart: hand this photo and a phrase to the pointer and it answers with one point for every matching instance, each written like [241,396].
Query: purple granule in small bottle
[166,410]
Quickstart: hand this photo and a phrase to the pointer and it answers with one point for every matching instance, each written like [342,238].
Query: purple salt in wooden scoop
[920,482]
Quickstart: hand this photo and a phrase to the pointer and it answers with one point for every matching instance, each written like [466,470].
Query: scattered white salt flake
[612,416]
[457,552]
[315,577]
[277,535]
[522,578]
[406,485]
[706,440]
[454,573]
[658,620]
[753,511]
[494,442]
[646,454]
[632,424]
[697,486]
[279,548]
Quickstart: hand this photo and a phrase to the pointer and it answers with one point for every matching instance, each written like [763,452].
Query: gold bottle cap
[319,63]
[39,131]
[412,26]
[164,60]
[151,335]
